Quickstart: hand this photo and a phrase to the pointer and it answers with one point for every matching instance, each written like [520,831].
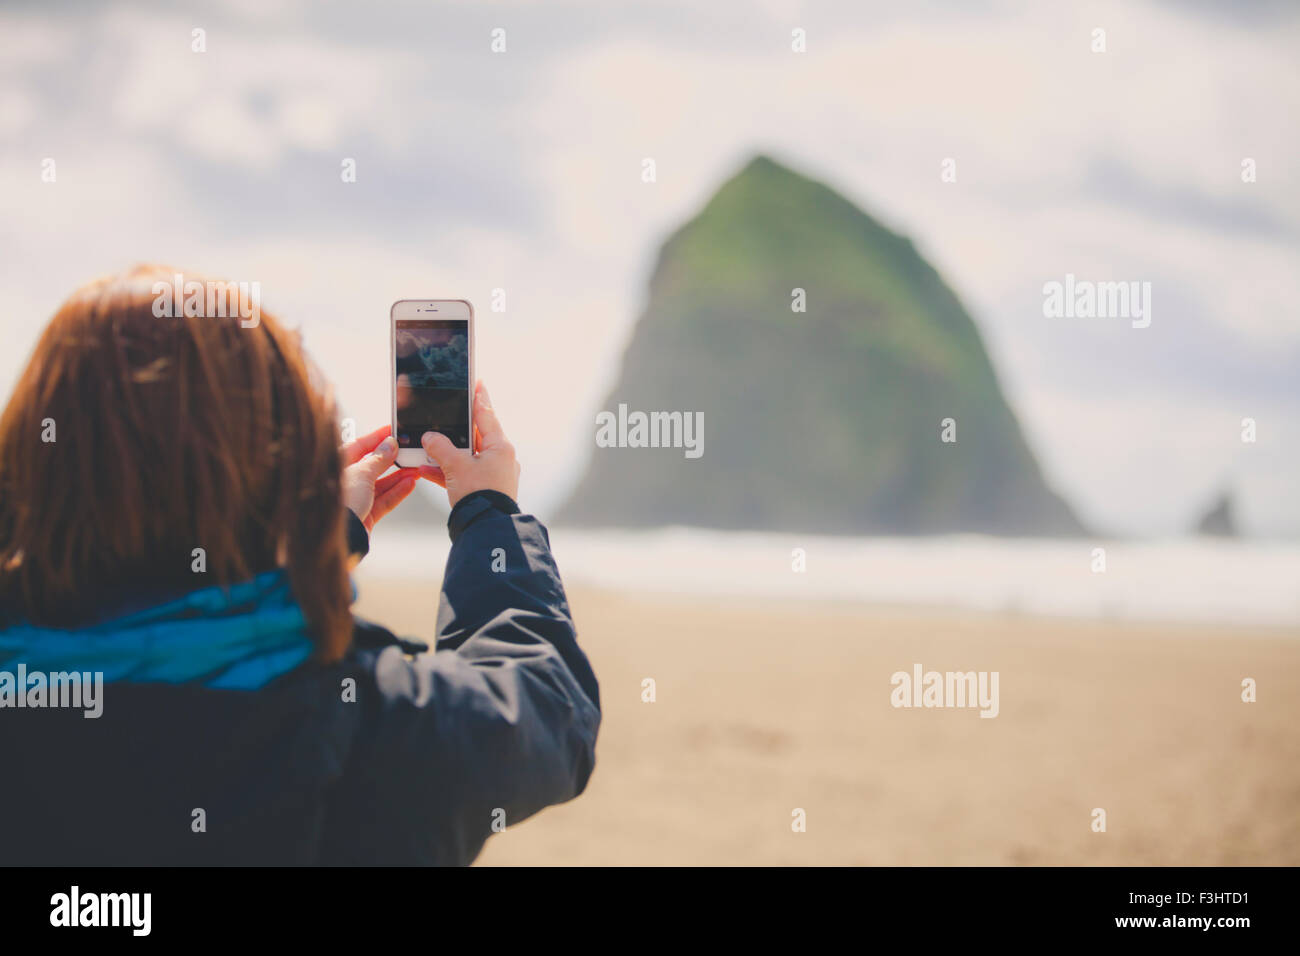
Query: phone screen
[432,376]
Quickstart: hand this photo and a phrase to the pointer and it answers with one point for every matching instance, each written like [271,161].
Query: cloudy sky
[522,170]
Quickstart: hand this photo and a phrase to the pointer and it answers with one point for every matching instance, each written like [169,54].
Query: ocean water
[1177,579]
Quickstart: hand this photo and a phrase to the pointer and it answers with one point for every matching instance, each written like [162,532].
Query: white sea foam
[1180,579]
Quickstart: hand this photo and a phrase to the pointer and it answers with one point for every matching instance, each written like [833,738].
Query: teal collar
[236,638]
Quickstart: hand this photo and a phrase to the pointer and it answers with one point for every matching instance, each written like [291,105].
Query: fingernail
[388,446]
[487,399]
[426,438]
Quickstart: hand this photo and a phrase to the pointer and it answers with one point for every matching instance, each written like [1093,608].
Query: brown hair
[170,434]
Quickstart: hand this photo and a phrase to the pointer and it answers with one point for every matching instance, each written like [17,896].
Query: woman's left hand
[369,496]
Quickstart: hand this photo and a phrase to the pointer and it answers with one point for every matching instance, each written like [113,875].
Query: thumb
[440,448]
[379,460]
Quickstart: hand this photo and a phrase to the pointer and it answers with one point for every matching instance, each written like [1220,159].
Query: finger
[358,448]
[439,447]
[485,419]
[433,473]
[393,497]
[388,481]
[378,461]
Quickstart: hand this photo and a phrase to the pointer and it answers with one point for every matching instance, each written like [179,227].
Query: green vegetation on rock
[822,421]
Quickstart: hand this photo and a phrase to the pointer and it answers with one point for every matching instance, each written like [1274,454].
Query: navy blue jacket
[440,748]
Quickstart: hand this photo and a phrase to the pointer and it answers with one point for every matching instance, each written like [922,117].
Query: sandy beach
[763,708]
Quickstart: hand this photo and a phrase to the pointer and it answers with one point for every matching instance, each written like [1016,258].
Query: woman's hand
[367,495]
[494,467]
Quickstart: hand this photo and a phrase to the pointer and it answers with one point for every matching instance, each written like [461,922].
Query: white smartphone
[432,368]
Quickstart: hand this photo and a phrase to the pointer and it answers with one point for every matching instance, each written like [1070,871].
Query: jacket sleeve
[507,707]
[357,535]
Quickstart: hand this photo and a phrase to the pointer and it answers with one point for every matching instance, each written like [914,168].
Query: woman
[175,516]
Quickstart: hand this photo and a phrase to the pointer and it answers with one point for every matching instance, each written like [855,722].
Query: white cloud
[248,99]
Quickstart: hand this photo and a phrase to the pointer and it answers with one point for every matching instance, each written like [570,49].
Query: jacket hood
[240,637]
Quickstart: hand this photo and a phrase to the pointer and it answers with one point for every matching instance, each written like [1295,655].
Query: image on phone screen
[432,374]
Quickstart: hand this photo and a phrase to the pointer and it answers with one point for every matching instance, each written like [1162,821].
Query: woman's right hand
[494,467]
